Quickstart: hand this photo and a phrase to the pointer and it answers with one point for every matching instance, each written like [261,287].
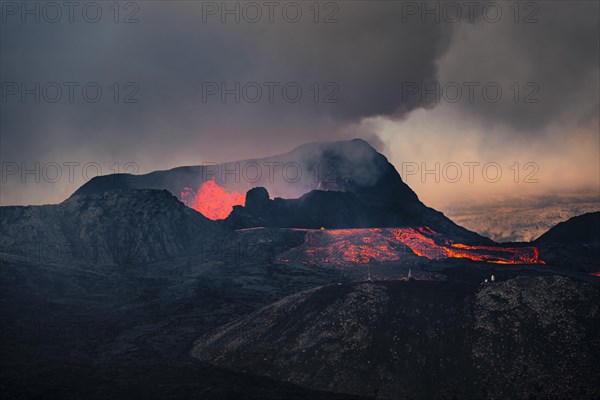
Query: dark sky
[356,73]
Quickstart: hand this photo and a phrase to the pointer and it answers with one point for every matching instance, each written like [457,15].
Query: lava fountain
[212,200]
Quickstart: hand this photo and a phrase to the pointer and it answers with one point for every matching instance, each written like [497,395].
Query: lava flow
[377,245]
[212,200]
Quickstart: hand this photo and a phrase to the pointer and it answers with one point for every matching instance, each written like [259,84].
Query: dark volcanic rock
[581,229]
[538,339]
[257,199]
[522,338]
[108,227]
[314,210]
[574,244]
[334,210]
[77,329]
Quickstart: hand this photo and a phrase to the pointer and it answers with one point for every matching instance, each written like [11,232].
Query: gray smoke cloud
[553,59]
[176,57]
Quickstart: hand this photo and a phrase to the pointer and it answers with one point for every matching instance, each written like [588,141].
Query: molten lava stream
[363,246]
[212,200]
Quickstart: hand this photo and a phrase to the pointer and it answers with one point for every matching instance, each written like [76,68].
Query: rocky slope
[116,226]
[580,229]
[102,295]
[573,244]
[521,338]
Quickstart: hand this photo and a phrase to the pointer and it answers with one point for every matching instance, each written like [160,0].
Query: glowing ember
[212,200]
[595,274]
[362,246]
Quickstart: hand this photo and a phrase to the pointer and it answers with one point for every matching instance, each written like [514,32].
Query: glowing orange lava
[212,200]
[362,246]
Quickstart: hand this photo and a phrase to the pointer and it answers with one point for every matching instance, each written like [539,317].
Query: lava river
[379,245]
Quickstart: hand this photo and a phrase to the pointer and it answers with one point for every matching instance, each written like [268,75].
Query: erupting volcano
[363,246]
[212,200]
